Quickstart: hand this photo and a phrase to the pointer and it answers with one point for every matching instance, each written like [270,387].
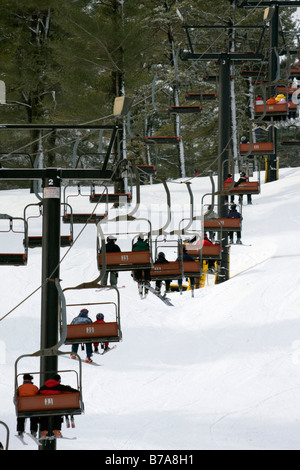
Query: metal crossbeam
[61,173]
[283,3]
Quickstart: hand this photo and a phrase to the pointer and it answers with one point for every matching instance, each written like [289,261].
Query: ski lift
[200,96]
[7,435]
[295,72]
[8,224]
[210,78]
[222,224]
[80,217]
[174,270]
[173,140]
[269,111]
[257,148]
[286,141]
[124,260]
[53,404]
[205,252]
[107,197]
[245,187]
[185,109]
[171,270]
[253,74]
[34,241]
[148,169]
[258,144]
[110,331]
[130,260]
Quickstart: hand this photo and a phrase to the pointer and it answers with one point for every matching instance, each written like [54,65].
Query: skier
[53,387]
[161,259]
[186,257]
[27,389]
[79,320]
[243,179]
[100,319]
[229,181]
[111,247]
[140,275]
[211,263]
[234,214]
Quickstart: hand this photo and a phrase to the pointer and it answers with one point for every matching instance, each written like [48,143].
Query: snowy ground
[217,371]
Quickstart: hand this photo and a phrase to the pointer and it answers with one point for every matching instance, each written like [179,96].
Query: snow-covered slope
[217,371]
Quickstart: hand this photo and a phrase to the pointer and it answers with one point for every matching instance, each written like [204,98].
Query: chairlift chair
[206,252]
[124,260]
[7,434]
[53,404]
[19,258]
[34,241]
[109,331]
[109,197]
[257,148]
[185,109]
[200,96]
[210,78]
[253,73]
[285,140]
[148,169]
[162,140]
[80,217]
[104,196]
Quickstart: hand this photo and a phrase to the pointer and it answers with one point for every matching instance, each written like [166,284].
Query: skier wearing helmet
[100,319]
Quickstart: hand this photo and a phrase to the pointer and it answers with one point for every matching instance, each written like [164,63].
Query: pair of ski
[161,297]
[100,354]
[41,439]
[106,350]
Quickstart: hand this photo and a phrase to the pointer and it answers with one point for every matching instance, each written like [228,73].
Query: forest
[65,62]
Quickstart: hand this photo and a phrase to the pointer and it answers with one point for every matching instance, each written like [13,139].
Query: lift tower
[274,72]
[223,60]
[51,181]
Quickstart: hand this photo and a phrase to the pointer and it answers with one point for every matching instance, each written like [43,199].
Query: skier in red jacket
[54,387]
[100,319]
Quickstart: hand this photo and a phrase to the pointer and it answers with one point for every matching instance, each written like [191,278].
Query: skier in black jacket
[53,387]
[234,214]
[111,247]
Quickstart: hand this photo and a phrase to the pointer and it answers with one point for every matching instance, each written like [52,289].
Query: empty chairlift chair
[11,229]
[34,241]
[81,217]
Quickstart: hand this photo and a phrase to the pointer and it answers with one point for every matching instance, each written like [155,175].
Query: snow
[218,371]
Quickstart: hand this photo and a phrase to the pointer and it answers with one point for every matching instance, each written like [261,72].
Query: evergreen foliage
[64,61]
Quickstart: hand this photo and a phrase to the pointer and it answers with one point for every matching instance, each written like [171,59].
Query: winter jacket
[111,247]
[228,180]
[207,242]
[185,257]
[233,214]
[53,387]
[140,245]
[161,260]
[242,179]
[27,389]
[81,319]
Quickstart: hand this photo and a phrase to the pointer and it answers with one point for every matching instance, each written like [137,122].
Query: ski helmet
[100,316]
